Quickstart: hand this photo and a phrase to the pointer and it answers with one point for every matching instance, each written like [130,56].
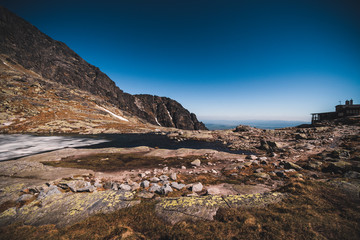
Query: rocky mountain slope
[23,44]
[31,103]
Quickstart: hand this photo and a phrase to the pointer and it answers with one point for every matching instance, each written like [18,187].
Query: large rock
[67,208]
[196,163]
[177,186]
[337,167]
[291,165]
[174,210]
[197,187]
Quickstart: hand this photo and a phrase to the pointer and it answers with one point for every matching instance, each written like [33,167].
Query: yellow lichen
[8,213]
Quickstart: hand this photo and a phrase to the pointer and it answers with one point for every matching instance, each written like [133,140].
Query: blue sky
[233,60]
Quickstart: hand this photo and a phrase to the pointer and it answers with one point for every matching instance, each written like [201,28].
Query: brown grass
[313,211]
[113,162]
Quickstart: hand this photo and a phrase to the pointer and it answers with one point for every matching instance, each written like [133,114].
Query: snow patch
[18,145]
[6,63]
[169,115]
[113,114]
[157,121]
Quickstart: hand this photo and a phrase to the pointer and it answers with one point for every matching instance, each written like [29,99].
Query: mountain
[23,44]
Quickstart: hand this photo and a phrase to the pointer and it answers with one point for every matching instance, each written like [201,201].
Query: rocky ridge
[23,44]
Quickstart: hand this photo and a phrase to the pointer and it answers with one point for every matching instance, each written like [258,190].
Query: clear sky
[234,60]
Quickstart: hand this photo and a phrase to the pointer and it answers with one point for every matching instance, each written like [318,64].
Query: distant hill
[23,45]
[263,124]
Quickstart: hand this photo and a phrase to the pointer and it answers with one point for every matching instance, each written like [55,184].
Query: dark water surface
[13,146]
[155,140]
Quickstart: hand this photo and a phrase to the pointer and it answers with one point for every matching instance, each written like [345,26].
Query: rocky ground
[68,186]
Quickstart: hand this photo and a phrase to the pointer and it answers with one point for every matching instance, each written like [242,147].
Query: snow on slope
[113,114]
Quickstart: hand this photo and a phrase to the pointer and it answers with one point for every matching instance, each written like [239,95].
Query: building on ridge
[341,111]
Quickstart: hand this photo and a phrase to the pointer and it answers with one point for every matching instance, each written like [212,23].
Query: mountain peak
[24,44]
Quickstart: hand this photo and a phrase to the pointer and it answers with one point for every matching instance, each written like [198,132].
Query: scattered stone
[173,176]
[125,187]
[196,162]
[135,186]
[154,187]
[177,186]
[298,175]
[290,165]
[262,175]
[154,179]
[52,190]
[280,174]
[255,162]
[25,197]
[352,174]
[269,146]
[242,128]
[259,170]
[142,175]
[251,157]
[145,184]
[197,187]
[300,136]
[145,194]
[183,167]
[79,186]
[337,167]
[164,178]
[164,190]
[248,164]
[114,186]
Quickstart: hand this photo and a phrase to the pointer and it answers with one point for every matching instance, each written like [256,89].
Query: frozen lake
[19,145]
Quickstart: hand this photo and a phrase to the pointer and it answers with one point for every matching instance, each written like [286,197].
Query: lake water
[19,145]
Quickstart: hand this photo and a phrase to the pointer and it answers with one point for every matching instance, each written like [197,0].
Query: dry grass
[114,162]
[313,211]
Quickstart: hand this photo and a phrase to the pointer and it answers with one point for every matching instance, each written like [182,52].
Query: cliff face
[168,112]
[24,44]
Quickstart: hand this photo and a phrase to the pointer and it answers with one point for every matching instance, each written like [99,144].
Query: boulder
[49,192]
[164,190]
[125,187]
[135,186]
[154,187]
[337,167]
[79,186]
[145,194]
[154,179]
[197,187]
[251,157]
[352,174]
[173,176]
[300,136]
[177,186]
[196,163]
[164,178]
[262,175]
[242,128]
[145,184]
[291,165]
[114,186]
[25,197]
